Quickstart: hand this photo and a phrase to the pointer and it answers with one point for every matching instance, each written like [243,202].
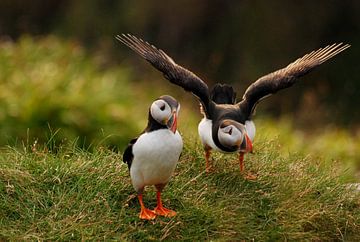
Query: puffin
[152,157]
[227,125]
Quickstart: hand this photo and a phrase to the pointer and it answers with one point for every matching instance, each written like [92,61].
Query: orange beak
[173,124]
[249,146]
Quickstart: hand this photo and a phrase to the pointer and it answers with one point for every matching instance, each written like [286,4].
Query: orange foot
[250,176]
[147,214]
[210,169]
[160,210]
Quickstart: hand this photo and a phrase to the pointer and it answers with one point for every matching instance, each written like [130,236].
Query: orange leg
[160,210]
[207,159]
[241,160]
[249,176]
[145,213]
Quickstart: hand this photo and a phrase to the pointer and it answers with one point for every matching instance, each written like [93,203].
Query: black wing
[286,77]
[128,155]
[172,71]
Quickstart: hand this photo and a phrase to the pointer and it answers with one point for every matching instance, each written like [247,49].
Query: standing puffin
[152,157]
[227,124]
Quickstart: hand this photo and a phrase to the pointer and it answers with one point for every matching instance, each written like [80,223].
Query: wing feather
[286,77]
[128,155]
[175,73]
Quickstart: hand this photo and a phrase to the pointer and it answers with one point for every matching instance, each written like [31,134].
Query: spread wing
[172,71]
[286,77]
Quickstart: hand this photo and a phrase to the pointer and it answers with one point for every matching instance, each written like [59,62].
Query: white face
[161,111]
[178,110]
[230,136]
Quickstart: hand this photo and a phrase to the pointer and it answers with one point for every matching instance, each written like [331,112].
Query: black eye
[162,108]
[230,131]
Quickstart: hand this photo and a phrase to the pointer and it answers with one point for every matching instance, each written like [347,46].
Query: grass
[75,195]
[57,191]
[332,144]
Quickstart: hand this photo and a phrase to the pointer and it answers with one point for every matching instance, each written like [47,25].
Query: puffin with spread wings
[227,125]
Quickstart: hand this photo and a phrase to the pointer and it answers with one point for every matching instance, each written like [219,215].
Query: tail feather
[223,94]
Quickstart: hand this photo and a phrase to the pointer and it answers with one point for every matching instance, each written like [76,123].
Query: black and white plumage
[222,115]
[152,157]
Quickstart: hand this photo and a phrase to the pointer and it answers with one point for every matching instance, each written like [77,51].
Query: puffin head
[165,110]
[233,135]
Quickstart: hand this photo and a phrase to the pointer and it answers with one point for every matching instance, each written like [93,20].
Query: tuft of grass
[332,144]
[76,195]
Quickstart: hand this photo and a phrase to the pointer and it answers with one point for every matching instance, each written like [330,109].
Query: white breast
[155,157]
[205,133]
[250,129]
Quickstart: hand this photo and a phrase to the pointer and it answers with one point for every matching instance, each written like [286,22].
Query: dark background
[222,41]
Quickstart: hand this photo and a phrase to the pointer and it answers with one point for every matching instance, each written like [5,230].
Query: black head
[232,136]
[163,113]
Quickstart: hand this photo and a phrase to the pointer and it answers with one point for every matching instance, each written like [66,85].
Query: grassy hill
[78,195]
[52,92]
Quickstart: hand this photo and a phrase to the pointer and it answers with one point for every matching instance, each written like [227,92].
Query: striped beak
[172,123]
[249,146]
[245,145]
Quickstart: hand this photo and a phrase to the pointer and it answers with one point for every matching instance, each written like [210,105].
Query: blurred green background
[63,75]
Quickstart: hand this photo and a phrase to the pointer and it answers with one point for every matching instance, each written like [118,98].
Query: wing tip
[323,54]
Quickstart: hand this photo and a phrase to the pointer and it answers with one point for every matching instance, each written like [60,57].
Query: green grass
[52,92]
[75,195]
[331,144]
